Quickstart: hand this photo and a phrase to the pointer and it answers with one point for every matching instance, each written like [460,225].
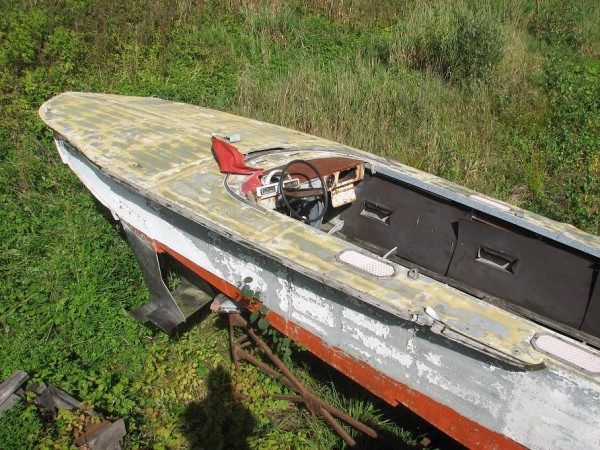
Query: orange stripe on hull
[455,425]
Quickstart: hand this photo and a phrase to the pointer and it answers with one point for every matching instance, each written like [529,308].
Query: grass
[501,97]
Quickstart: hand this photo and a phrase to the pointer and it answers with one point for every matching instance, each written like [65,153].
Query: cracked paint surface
[171,191]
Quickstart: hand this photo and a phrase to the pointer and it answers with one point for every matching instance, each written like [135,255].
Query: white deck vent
[579,357]
[366,263]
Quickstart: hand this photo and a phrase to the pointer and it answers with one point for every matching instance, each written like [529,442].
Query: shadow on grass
[219,421]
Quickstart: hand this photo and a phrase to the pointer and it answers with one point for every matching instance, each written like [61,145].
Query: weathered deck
[150,162]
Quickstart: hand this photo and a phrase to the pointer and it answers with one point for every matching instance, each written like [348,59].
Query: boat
[481,317]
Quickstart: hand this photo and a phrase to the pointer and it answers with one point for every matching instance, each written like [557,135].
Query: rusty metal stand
[314,404]
[166,309]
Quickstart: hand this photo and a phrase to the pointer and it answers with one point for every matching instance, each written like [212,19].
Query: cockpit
[442,238]
[305,189]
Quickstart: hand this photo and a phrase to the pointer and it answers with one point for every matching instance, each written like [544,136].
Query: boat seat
[440,236]
[540,277]
[388,215]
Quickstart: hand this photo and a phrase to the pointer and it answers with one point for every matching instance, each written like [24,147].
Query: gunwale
[162,150]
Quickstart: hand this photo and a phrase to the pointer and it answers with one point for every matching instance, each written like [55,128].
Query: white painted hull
[551,407]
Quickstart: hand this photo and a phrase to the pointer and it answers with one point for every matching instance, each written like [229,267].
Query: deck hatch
[566,352]
[366,263]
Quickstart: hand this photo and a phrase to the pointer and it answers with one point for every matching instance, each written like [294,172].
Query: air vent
[347,175]
[366,263]
[568,353]
[496,259]
[375,212]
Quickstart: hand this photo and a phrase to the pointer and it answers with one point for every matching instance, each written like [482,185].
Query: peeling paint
[527,415]
[436,378]
[436,360]
[181,203]
[364,321]
[307,304]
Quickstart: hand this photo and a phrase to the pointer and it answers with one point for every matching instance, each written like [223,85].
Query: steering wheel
[310,192]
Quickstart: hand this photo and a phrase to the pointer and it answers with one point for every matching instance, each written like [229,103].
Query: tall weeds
[459,43]
[392,112]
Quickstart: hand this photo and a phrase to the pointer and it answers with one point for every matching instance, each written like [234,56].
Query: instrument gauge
[330,180]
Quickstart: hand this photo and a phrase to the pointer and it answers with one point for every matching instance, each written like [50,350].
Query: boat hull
[473,397]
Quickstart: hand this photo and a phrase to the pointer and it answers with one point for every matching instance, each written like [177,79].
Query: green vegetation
[455,42]
[503,97]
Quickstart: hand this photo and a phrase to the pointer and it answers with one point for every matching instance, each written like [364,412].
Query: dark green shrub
[555,22]
[20,427]
[21,36]
[574,93]
[569,143]
[457,43]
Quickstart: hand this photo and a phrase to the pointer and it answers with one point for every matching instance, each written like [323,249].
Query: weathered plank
[9,403]
[12,384]
[49,399]
[109,437]
[62,400]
